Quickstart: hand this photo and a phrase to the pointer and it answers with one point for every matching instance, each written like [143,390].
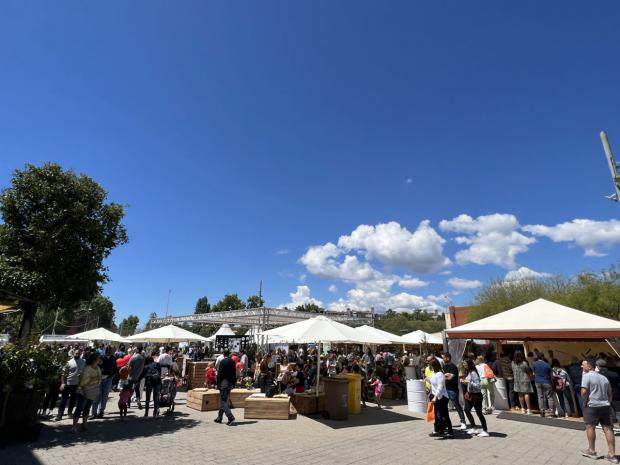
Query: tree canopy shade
[309,307]
[202,306]
[401,323]
[57,231]
[129,325]
[255,301]
[229,302]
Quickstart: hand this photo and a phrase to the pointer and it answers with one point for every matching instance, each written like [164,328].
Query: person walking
[451,373]
[107,364]
[487,379]
[136,367]
[226,380]
[87,391]
[596,394]
[69,383]
[473,398]
[542,378]
[152,384]
[523,382]
[439,398]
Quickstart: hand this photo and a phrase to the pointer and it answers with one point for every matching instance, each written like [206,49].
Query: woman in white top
[439,397]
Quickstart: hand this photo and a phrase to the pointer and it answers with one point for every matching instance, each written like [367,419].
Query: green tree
[57,231]
[202,306]
[309,307]
[149,324]
[229,302]
[97,312]
[255,301]
[403,323]
[128,325]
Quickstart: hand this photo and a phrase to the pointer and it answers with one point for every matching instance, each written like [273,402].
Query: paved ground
[389,436]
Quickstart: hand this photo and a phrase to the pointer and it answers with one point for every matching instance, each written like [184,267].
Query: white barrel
[410,373]
[416,396]
[501,394]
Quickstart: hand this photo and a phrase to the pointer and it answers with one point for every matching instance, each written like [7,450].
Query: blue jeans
[454,398]
[545,394]
[578,395]
[101,401]
[156,391]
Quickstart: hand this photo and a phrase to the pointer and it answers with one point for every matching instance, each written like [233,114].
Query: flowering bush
[25,365]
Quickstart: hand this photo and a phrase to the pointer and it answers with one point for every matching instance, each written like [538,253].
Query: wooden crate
[307,404]
[388,392]
[274,408]
[238,396]
[195,374]
[203,400]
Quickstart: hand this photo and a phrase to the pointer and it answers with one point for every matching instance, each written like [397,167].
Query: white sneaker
[472,431]
[463,426]
[483,434]
[528,412]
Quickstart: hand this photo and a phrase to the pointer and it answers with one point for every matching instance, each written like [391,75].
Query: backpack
[558,382]
[152,375]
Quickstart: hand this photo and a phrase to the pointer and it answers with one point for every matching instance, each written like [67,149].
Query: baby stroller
[168,392]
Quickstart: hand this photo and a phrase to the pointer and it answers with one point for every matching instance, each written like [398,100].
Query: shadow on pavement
[60,434]
[370,416]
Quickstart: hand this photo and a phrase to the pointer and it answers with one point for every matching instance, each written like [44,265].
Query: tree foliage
[202,305]
[129,325]
[404,322]
[152,316]
[255,301]
[309,307]
[57,231]
[597,293]
[229,302]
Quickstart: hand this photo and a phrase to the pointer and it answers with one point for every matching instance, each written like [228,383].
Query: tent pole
[318,367]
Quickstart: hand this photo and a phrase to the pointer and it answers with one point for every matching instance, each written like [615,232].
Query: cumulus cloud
[332,288]
[300,297]
[321,260]
[595,237]
[462,284]
[392,244]
[523,274]
[410,282]
[492,239]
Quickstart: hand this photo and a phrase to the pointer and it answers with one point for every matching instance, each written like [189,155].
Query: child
[210,376]
[378,386]
[123,400]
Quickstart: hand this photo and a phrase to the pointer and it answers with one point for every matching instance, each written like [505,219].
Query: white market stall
[167,334]
[99,334]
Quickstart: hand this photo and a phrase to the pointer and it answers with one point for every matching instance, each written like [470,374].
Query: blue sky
[237,130]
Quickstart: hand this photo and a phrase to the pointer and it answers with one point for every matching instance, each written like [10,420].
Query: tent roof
[420,337]
[539,319]
[321,329]
[225,330]
[371,331]
[99,334]
[169,333]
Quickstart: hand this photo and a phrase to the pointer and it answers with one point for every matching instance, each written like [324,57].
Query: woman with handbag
[523,381]
[87,391]
[487,380]
[473,398]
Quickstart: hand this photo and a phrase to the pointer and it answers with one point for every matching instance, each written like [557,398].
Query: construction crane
[613,168]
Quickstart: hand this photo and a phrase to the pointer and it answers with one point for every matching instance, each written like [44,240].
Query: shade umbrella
[420,337]
[319,330]
[169,333]
[99,334]
[371,331]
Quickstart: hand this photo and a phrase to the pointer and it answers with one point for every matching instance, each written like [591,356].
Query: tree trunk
[29,309]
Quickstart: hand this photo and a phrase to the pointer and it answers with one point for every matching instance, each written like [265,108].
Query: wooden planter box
[307,404]
[203,400]
[238,396]
[274,408]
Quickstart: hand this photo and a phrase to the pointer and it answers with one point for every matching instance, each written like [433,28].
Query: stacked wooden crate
[307,404]
[203,399]
[195,374]
[269,408]
[238,396]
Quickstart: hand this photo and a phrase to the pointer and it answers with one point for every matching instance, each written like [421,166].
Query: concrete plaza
[390,436]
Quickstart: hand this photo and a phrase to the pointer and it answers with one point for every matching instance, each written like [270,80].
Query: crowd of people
[83,384]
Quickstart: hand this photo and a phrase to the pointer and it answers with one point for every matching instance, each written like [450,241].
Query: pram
[168,392]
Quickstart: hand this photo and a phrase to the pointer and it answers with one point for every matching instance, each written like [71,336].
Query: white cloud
[332,288]
[392,244]
[595,237]
[446,272]
[492,239]
[411,283]
[282,252]
[362,298]
[302,277]
[321,260]
[459,283]
[300,297]
[524,273]
[408,180]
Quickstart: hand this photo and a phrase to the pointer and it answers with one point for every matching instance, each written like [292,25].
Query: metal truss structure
[263,318]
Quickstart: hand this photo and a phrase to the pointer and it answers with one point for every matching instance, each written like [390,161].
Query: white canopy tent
[319,330]
[99,334]
[373,332]
[420,337]
[165,334]
[224,330]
